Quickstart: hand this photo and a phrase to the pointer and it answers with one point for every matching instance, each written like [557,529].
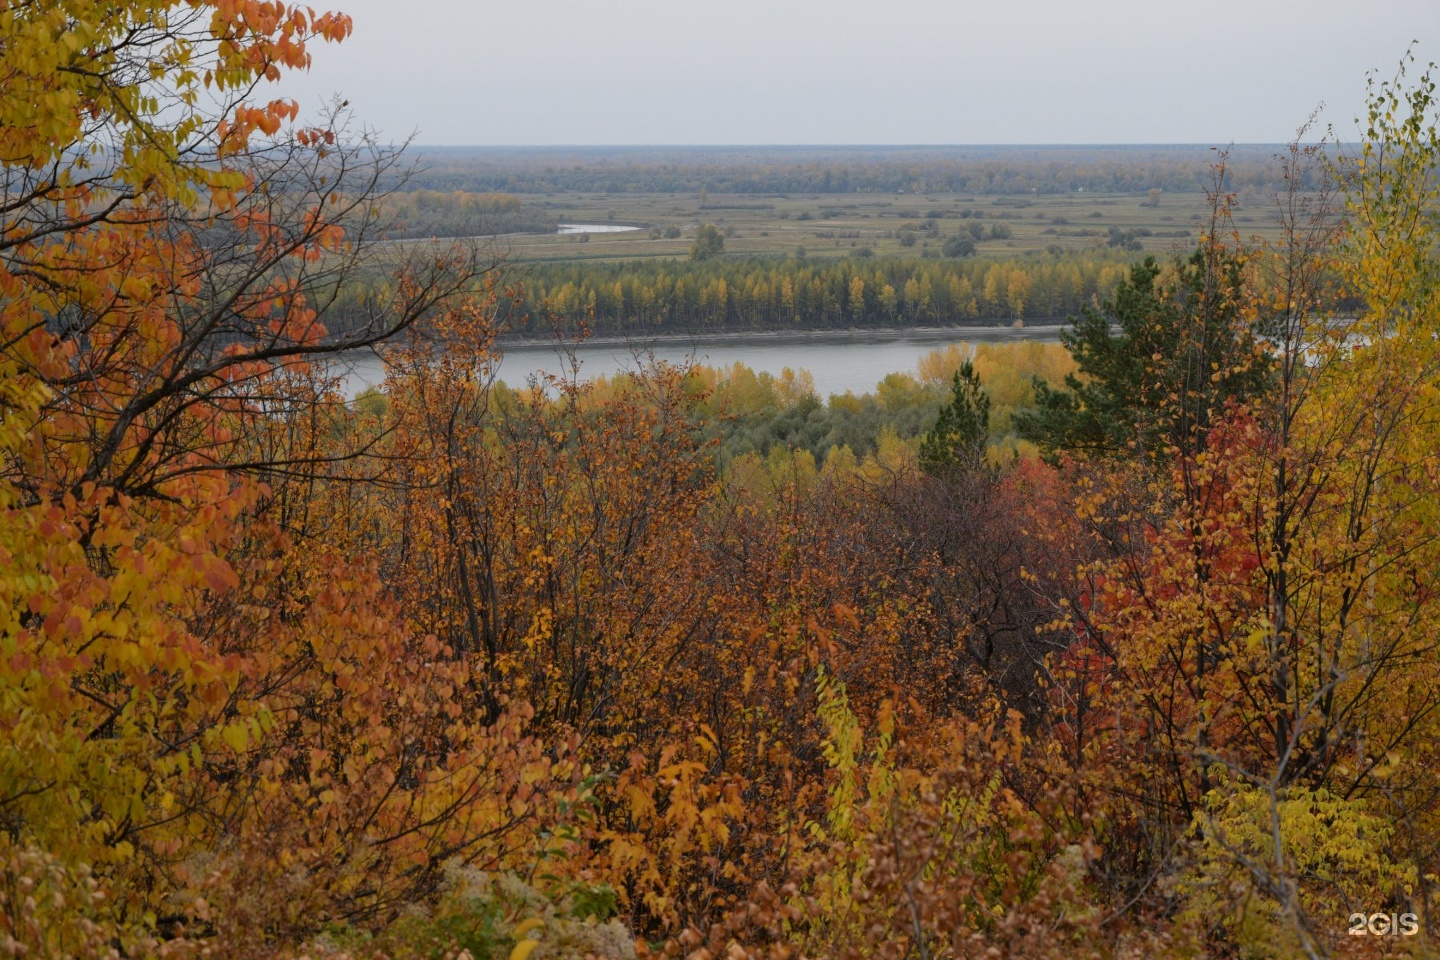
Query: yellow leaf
[236,735]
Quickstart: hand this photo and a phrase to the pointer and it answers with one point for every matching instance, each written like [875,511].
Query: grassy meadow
[846,225]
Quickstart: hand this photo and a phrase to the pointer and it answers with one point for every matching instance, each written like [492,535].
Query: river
[838,362]
[567,228]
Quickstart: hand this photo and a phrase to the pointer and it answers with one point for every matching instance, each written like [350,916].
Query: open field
[845,225]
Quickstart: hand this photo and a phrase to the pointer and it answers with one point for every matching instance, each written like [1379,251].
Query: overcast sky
[861,71]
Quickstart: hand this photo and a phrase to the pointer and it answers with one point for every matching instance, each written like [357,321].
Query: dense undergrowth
[689,662]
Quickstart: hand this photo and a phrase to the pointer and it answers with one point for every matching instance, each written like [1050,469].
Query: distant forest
[429,213]
[783,170]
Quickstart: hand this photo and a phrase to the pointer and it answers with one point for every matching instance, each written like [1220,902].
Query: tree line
[421,213]
[652,296]
[975,170]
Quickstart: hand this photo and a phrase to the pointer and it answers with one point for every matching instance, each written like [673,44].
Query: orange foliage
[273,664]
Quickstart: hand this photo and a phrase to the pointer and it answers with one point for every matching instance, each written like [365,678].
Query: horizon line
[844,146]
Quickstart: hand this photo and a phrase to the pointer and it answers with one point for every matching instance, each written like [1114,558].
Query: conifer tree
[957,441]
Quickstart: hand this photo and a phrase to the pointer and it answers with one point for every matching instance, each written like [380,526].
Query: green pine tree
[1155,365]
[961,434]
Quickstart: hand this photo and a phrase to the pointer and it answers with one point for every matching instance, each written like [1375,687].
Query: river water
[594,228]
[838,362]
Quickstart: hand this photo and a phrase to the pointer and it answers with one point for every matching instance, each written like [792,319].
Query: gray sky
[861,71]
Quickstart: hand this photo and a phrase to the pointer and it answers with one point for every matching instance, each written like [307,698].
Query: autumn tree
[182,685]
[1261,651]
[709,242]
